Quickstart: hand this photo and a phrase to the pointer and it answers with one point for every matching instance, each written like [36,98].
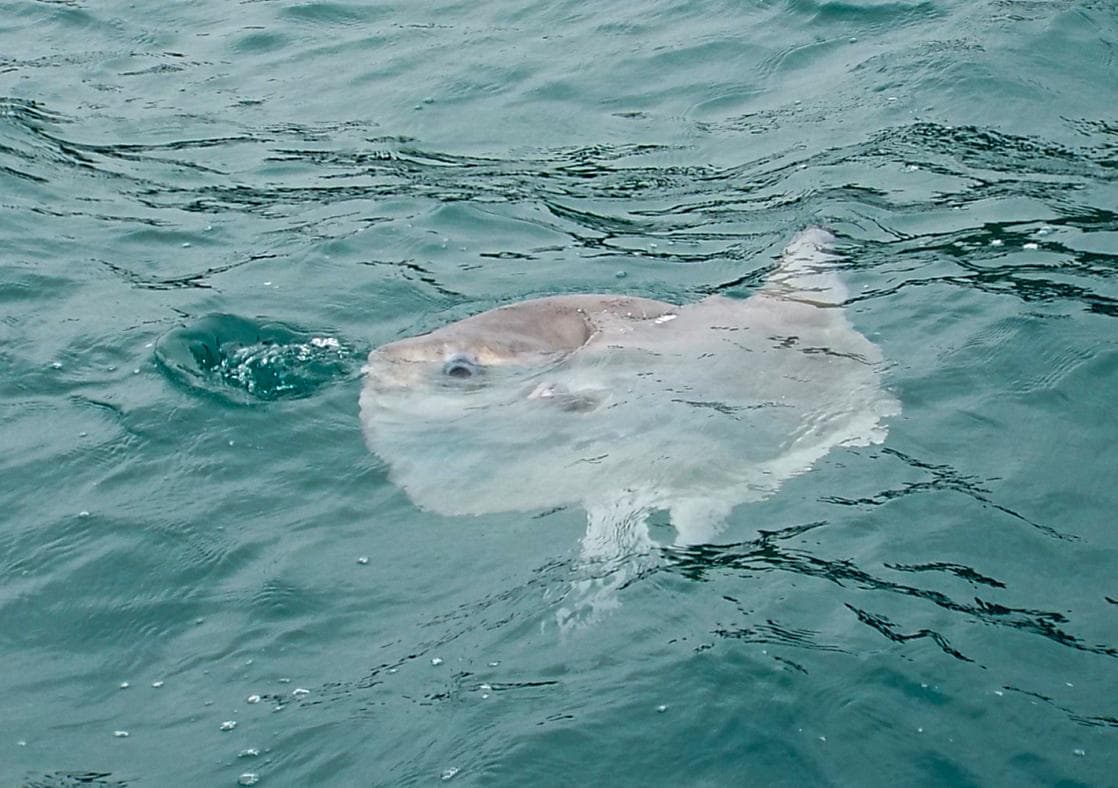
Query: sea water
[211,212]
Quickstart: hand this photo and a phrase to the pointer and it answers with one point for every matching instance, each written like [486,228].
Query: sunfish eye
[460,366]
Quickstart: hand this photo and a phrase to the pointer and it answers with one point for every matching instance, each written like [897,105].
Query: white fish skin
[610,401]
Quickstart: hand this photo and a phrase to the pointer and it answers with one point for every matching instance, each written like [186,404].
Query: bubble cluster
[247,360]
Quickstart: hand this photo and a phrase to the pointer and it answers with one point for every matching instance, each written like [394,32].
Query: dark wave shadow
[767,554]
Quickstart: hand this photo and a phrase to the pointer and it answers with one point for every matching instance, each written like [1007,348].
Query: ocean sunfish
[626,405]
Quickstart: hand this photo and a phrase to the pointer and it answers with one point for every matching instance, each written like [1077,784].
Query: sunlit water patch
[245,361]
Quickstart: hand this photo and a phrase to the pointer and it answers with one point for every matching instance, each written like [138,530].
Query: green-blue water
[210,212]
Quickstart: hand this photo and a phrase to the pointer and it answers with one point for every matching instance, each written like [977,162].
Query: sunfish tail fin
[807,269]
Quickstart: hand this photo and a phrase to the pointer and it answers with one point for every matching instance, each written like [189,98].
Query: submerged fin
[698,520]
[807,269]
[616,548]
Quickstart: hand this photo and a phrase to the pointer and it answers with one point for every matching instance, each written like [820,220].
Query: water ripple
[243,361]
[766,555]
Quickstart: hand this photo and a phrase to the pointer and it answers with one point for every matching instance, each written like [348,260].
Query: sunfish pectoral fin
[579,401]
[807,269]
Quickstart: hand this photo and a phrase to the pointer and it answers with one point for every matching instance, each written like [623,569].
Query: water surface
[210,213]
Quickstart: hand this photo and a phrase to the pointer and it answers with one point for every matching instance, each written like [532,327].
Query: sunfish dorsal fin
[807,270]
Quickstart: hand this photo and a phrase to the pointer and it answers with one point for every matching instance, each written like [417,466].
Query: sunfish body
[627,405]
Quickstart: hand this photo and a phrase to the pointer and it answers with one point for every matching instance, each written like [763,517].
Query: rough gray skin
[628,405]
